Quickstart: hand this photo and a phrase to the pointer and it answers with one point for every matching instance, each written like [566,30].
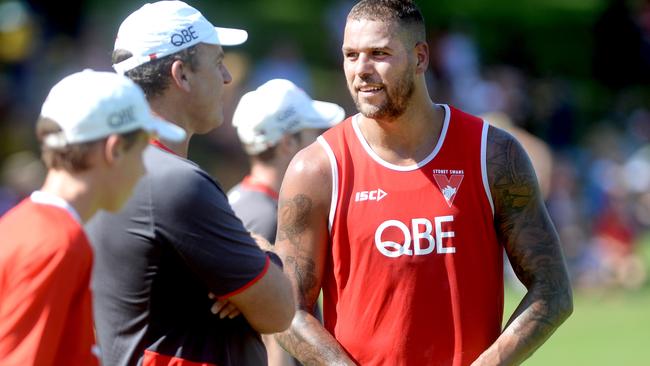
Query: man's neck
[164,107]
[266,175]
[180,148]
[75,189]
[407,139]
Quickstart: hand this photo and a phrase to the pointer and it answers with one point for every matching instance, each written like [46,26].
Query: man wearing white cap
[178,240]
[273,123]
[93,128]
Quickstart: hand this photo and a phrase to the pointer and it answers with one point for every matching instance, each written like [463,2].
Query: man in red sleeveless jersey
[400,215]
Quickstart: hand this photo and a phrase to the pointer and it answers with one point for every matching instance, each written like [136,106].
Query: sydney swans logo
[449,182]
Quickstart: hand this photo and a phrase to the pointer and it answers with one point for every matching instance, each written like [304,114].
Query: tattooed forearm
[304,270]
[532,244]
[293,220]
[302,252]
[292,224]
[312,347]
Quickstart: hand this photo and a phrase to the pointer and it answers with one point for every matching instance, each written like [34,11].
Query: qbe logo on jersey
[448,181]
[415,238]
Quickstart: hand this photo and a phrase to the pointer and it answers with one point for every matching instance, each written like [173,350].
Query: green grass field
[612,329]
[606,329]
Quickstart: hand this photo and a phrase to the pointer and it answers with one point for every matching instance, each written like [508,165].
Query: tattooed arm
[302,243]
[533,247]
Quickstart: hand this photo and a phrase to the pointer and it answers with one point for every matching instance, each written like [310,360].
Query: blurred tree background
[588,44]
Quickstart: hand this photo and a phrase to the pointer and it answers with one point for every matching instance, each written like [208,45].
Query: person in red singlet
[400,215]
[93,128]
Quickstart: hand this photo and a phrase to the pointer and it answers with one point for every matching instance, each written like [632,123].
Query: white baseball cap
[90,105]
[165,27]
[277,108]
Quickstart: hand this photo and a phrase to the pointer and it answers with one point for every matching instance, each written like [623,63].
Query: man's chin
[373,112]
[368,110]
[209,127]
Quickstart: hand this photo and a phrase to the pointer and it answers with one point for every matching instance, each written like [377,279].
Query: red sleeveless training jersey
[414,271]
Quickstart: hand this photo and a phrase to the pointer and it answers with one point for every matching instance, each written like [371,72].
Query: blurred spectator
[334,17]
[284,61]
[21,174]
[538,151]
[553,112]
[460,67]
[610,198]
[566,207]
[509,108]
[16,32]
[614,238]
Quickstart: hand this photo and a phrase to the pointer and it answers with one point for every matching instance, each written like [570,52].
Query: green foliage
[553,35]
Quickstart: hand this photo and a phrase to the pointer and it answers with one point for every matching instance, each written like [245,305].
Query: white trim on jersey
[405,168]
[486,184]
[335,179]
[46,198]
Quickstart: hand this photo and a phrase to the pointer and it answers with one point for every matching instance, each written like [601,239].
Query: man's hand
[223,308]
[262,243]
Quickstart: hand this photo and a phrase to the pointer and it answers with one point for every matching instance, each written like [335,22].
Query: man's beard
[396,101]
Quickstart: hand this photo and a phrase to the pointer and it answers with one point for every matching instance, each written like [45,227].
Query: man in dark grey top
[273,123]
[257,206]
[177,239]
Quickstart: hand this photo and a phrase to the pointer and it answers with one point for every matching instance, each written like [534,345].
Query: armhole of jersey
[486,184]
[335,180]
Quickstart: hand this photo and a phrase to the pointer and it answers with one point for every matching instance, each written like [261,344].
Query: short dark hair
[265,156]
[154,76]
[73,157]
[403,12]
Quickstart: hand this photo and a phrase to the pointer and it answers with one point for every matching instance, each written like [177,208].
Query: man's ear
[113,149]
[422,56]
[288,144]
[179,75]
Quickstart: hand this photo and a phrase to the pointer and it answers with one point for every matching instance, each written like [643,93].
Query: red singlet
[414,274]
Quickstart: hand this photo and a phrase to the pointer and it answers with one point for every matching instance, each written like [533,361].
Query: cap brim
[228,36]
[329,114]
[165,130]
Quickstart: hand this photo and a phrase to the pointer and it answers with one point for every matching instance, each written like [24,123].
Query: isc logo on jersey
[375,195]
[418,235]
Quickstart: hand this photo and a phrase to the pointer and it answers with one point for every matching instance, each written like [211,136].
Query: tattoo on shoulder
[529,237]
[512,179]
[521,220]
